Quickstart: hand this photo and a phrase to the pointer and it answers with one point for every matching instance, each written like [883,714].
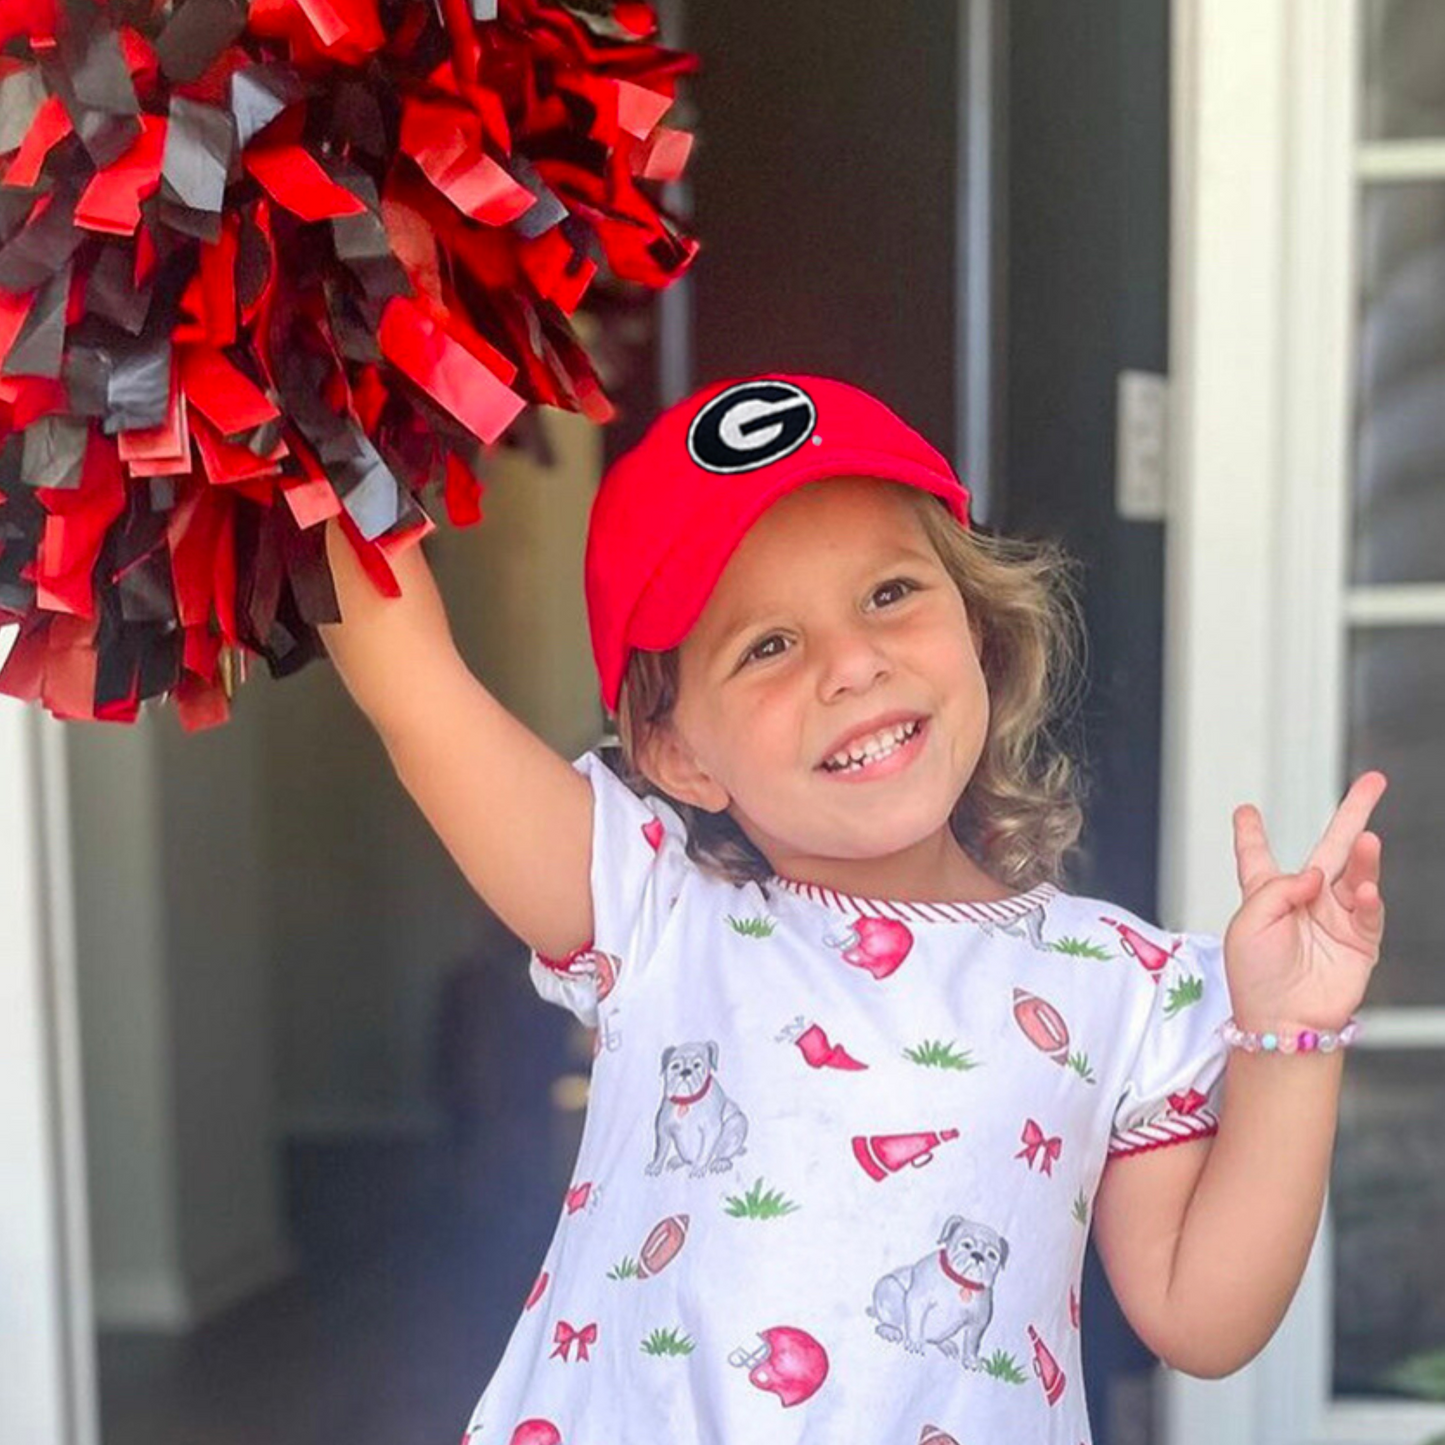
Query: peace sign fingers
[1302,945]
[1253,860]
[1362,867]
[1338,842]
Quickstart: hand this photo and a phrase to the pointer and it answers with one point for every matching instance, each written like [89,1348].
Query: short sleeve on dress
[639,863]
[1175,1089]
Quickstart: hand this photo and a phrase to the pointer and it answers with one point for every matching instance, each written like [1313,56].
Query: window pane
[1398,497]
[1396,722]
[1404,50]
[1386,1192]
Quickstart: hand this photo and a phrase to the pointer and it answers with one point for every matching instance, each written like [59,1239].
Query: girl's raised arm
[514,814]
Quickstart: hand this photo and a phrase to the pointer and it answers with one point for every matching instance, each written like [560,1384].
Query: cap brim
[678,591]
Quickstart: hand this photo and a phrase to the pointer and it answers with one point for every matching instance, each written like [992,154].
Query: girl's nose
[852,661]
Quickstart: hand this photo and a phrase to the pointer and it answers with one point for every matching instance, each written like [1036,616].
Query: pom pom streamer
[265,264]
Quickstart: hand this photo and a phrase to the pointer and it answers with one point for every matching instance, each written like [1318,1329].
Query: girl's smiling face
[831,697]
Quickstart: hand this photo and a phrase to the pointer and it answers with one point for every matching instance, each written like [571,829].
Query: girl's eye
[900,586]
[760,650]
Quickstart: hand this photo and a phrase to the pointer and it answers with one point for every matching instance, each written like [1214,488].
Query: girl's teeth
[873,749]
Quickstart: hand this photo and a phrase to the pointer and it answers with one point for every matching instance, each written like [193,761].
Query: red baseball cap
[671,511]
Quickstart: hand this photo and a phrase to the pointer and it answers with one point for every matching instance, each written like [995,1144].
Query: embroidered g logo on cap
[751,424]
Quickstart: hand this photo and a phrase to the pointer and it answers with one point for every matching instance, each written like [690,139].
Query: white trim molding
[1405,604]
[1401,160]
[1403,1028]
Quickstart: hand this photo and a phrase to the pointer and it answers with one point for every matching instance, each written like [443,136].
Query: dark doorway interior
[1087,297]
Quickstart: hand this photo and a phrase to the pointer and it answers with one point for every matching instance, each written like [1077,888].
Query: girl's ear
[668,763]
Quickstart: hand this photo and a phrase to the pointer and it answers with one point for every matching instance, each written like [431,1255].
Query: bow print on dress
[1033,1140]
[566,1336]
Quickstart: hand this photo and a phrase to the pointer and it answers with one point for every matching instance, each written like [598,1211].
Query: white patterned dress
[837,1169]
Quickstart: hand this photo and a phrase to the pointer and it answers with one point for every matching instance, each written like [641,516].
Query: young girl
[865,1075]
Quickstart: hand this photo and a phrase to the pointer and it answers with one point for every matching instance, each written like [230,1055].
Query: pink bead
[1308,1041]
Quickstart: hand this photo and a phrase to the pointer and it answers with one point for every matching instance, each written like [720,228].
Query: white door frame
[48,1393]
[1263,286]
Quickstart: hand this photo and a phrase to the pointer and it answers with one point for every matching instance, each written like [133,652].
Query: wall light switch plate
[1141,452]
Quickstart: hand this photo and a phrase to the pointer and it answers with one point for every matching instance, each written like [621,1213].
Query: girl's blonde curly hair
[1022,812]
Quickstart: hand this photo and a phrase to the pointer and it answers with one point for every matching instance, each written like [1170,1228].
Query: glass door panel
[1398,496]
[1404,91]
[1389,1254]
[1396,719]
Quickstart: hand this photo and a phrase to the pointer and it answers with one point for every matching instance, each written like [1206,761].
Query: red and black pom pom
[265,264]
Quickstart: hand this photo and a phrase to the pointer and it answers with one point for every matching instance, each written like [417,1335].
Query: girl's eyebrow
[734,630]
[906,552]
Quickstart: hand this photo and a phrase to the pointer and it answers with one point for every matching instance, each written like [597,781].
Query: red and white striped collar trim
[1003,910]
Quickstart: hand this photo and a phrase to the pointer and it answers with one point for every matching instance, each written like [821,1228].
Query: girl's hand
[1301,948]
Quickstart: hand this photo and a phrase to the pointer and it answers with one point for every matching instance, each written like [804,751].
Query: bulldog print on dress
[946,1293]
[696,1125]
[816,1127]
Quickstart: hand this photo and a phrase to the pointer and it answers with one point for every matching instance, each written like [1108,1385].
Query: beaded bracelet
[1306,1041]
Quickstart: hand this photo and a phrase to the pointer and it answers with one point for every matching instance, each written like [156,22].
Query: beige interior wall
[369,912]
[266,921]
[514,586]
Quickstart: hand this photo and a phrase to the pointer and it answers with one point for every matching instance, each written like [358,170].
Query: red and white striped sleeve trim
[580,963]
[1165,1130]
